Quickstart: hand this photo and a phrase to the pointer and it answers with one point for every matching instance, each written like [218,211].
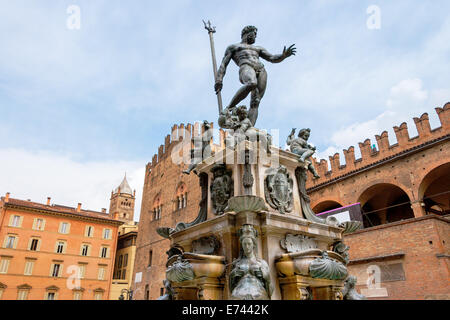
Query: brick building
[404,194]
[45,247]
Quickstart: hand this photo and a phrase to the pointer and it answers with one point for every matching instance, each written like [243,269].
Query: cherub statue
[242,127]
[302,148]
[349,292]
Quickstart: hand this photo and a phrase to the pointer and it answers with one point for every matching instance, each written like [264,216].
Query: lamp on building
[129,293]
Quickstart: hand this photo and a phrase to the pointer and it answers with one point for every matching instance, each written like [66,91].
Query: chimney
[48,200]
[103,210]
[7,197]
[79,207]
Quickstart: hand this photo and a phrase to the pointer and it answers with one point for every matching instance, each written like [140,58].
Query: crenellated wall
[181,133]
[384,149]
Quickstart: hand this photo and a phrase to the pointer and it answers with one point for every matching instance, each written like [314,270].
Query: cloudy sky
[80,107]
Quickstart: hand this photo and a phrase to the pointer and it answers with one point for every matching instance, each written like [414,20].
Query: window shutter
[43,225]
[11,217]
[60,227]
[16,240]
[34,224]
[39,245]
[68,228]
[29,243]
[60,270]
[20,221]
[52,266]
[64,246]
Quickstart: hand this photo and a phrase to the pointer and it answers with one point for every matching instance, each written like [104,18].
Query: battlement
[385,150]
[181,133]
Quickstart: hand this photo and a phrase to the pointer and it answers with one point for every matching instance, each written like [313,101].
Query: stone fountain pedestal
[264,194]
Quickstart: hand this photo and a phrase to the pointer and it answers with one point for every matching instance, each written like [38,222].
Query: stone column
[418,209]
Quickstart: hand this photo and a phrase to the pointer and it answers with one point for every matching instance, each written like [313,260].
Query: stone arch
[434,189]
[388,181]
[326,205]
[384,203]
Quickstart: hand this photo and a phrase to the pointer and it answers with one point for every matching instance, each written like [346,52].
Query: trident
[212,30]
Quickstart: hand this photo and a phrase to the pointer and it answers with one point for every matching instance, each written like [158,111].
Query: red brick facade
[419,245]
[396,182]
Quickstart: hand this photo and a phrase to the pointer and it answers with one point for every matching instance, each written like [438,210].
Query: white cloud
[38,175]
[406,92]
[407,99]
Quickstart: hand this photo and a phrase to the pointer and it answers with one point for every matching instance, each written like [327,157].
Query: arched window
[150,258]
[181,197]
[157,208]
[147,292]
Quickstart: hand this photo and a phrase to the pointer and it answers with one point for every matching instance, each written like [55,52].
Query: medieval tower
[122,202]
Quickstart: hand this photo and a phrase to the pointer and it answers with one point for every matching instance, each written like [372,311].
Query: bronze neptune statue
[252,74]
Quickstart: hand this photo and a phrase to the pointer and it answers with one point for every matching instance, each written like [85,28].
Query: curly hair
[248,29]
[303,131]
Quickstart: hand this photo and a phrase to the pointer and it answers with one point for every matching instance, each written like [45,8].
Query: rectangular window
[118,275]
[28,268]
[4,264]
[124,274]
[98,295]
[106,233]
[56,270]
[51,296]
[38,224]
[10,242]
[101,273]
[60,247]
[81,271]
[119,263]
[125,260]
[77,295]
[89,232]
[64,227]
[34,245]
[85,250]
[104,252]
[15,221]
[22,294]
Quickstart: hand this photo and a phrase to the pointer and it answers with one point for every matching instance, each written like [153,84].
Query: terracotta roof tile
[59,209]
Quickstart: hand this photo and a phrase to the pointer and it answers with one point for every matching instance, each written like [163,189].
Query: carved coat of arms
[221,188]
[278,189]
